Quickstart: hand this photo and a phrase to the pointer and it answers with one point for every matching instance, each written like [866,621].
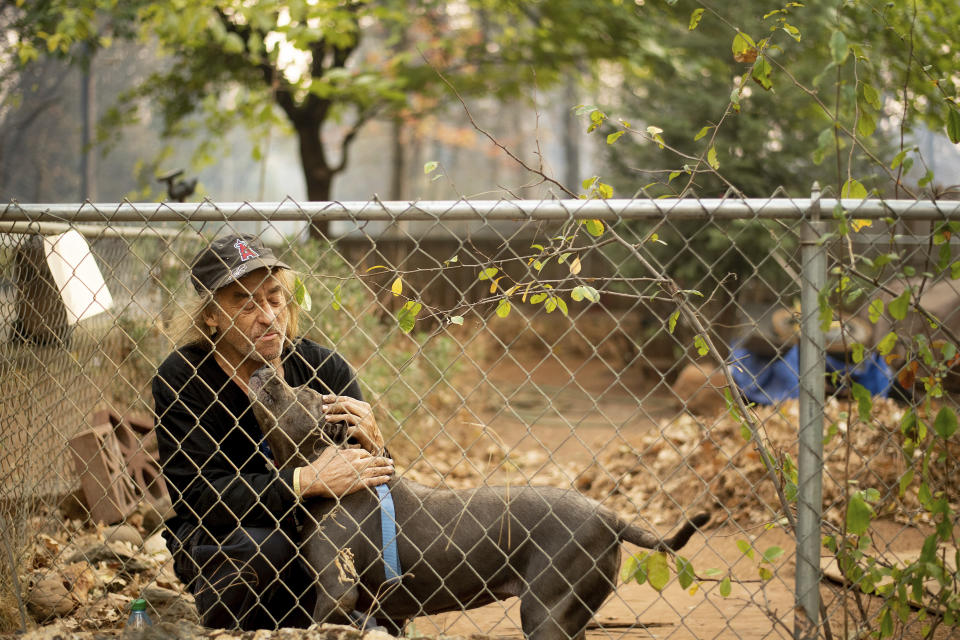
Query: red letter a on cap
[245,252]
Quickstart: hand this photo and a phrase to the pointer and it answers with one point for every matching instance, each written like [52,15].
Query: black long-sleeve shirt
[211,446]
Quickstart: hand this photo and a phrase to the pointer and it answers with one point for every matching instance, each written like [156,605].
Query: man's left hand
[359,418]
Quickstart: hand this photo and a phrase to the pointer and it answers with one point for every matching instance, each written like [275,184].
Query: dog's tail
[649,540]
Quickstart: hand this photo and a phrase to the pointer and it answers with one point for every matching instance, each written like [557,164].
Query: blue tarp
[768,380]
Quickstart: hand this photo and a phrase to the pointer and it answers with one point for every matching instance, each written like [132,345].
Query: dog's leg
[336,580]
[558,604]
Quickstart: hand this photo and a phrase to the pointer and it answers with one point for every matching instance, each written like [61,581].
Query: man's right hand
[338,472]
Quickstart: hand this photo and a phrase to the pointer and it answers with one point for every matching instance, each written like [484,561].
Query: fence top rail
[477,210]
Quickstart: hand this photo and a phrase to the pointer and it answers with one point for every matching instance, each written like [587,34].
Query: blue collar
[388,530]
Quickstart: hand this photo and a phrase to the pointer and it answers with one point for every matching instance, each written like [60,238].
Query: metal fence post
[813,257]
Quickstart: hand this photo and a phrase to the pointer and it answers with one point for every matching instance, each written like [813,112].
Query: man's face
[251,316]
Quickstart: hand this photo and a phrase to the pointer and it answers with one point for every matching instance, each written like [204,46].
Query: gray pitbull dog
[556,550]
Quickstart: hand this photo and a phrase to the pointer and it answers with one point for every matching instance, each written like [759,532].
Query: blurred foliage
[772,94]
[409,377]
[324,68]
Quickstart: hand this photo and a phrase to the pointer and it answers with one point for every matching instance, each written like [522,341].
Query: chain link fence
[785,366]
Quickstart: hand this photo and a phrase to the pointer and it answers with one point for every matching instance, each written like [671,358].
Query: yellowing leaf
[695,19]
[397,286]
[430,167]
[613,137]
[860,224]
[744,48]
[594,228]
[853,189]
[488,273]
[712,158]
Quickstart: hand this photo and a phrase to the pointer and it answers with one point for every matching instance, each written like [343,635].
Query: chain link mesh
[500,344]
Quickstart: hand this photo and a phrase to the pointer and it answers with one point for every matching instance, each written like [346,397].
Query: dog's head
[291,418]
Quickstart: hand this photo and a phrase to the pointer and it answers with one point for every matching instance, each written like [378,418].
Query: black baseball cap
[229,258]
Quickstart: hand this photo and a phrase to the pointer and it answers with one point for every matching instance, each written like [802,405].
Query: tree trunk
[398,167]
[316,171]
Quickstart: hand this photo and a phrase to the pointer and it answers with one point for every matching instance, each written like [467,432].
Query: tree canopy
[318,62]
[769,94]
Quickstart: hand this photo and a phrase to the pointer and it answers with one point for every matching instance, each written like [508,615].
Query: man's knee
[263,552]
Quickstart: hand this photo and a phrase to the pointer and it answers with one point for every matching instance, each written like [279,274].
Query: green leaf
[858,352]
[866,124]
[594,227]
[658,572]
[871,95]
[745,548]
[302,296]
[864,401]
[337,303]
[898,159]
[503,309]
[407,315]
[584,292]
[725,587]
[712,158]
[761,72]
[430,167]
[875,311]
[613,137]
[742,43]
[538,298]
[456,320]
[629,569]
[792,31]
[926,179]
[672,321]
[886,624]
[695,19]
[701,345]
[704,131]
[905,481]
[899,306]
[886,344]
[488,273]
[859,515]
[838,47]
[853,189]
[685,573]
[945,424]
[771,554]
[953,124]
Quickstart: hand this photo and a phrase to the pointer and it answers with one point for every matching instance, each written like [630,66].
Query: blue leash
[388,530]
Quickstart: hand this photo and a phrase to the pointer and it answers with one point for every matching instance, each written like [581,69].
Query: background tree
[315,64]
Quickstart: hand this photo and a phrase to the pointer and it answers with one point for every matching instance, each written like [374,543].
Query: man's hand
[359,418]
[338,472]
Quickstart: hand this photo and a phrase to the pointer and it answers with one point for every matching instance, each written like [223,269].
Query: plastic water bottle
[138,620]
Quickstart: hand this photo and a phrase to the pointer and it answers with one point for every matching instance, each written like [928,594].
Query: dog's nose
[260,378]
